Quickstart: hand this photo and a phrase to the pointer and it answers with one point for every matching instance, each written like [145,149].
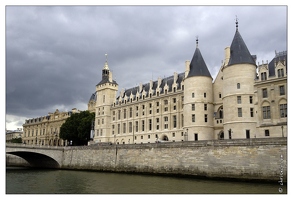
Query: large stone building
[244,101]
[45,130]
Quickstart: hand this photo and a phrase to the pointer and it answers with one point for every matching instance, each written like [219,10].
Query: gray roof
[282,56]
[198,66]
[93,96]
[239,53]
[146,87]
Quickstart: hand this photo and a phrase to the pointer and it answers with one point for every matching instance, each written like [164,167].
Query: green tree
[77,128]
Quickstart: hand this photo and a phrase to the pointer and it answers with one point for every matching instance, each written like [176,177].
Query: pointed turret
[239,53]
[106,74]
[198,66]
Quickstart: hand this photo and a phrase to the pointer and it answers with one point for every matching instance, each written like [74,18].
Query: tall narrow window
[192,94]
[239,112]
[239,99]
[142,125]
[251,112]
[118,131]
[124,127]
[136,126]
[130,112]
[193,107]
[174,121]
[130,127]
[205,106]
[193,117]
[263,76]
[266,112]
[282,90]
[267,132]
[238,85]
[283,110]
[280,72]
[124,113]
[204,95]
[250,99]
[205,118]
[150,124]
[264,93]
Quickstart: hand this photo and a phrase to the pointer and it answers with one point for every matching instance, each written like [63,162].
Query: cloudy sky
[55,54]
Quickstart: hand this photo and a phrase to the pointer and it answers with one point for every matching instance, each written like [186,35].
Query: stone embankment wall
[247,159]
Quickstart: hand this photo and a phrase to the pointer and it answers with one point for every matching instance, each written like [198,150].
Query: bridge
[37,156]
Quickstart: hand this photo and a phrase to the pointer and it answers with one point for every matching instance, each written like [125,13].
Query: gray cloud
[55,54]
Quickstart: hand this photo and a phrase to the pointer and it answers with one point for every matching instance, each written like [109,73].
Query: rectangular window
[158,110]
[174,100]
[282,90]
[136,126]
[130,127]
[251,112]
[166,102]
[238,85]
[119,113]
[239,99]
[220,95]
[124,127]
[174,121]
[205,118]
[166,109]
[205,106]
[250,99]
[158,103]
[283,110]
[130,112]
[264,93]
[174,107]
[150,124]
[263,76]
[267,132]
[142,125]
[204,95]
[239,112]
[173,134]
[141,137]
[266,112]
[193,117]
[118,129]
[280,72]
[247,134]
[193,107]
[166,126]
[124,114]
[192,94]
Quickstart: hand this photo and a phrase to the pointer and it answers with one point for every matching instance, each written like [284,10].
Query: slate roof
[239,53]
[198,66]
[282,56]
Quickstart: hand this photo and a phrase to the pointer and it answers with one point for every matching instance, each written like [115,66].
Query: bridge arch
[37,160]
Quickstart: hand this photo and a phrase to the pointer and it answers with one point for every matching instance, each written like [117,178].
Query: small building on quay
[13,134]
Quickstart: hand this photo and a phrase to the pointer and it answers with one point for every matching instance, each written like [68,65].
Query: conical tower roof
[198,66]
[239,53]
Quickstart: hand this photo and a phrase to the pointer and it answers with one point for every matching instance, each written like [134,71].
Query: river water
[40,181]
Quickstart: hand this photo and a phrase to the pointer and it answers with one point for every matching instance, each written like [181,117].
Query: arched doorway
[165,138]
[221,135]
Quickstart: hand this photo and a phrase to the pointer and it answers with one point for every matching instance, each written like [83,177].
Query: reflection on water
[34,181]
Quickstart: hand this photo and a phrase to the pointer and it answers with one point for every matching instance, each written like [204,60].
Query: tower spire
[236,23]
[196,41]
[106,63]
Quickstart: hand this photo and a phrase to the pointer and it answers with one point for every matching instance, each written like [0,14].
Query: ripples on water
[32,181]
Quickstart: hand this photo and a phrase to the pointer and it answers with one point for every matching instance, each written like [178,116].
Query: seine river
[33,181]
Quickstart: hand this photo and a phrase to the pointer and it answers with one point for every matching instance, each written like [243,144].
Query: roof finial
[236,23]
[106,57]
[196,41]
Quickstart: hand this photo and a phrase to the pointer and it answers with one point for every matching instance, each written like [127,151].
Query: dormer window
[263,76]
[280,73]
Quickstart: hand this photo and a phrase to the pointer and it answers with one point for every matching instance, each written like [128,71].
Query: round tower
[238,91]
[106,94]
[198,100]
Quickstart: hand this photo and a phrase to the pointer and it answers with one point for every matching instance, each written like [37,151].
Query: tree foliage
[77,128]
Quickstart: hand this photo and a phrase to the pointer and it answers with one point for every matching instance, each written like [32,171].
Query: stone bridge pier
[38,156]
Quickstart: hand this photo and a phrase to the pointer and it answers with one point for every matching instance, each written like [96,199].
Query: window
[220,95]
[124,113]
[192,94]
[104,98]
[124,127]
[205,106]
[118,129]
[149,136]
[238,85]
[142,125]
[251,112]
[205,118]
[143,106]
[263,76]
[141,137]
[193,117]
[166,109]
[158,103]
[119,113]
[130,127]
[173,134]
[250,99]
[165,119]
[174,107]
[193,107]
[204,95]
[136,126]
[239,99]
[174,100]
[266,112]
[239,112]
[283,110]
[130,112]
[150,124]
[174,121]
[267,132]
[247,134]
[264,93]
[280,72]
[166,102]
[282,90]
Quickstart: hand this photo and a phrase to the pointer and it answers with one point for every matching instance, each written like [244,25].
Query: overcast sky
[55,54]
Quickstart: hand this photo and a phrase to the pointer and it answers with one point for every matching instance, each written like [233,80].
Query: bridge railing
[33,146]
